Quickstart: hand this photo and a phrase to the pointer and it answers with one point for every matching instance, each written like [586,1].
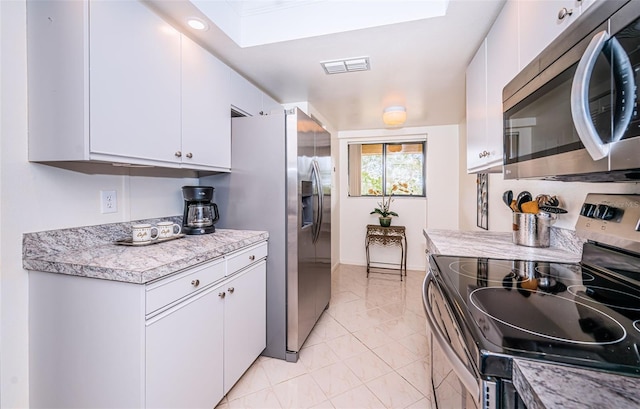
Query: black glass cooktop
[581,314]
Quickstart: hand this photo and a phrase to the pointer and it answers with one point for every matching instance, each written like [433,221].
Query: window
[387,168]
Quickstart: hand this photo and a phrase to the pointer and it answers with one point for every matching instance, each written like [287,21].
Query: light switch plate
[108,201]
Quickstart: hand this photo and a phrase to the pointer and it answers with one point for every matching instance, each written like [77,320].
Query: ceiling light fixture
[197,24]
[394,115]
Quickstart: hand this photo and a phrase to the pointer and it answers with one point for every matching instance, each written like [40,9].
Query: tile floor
[368,350]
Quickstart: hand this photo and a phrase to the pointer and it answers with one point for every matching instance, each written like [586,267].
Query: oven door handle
[467,378]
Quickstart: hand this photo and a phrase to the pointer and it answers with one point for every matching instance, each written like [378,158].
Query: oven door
[456,382]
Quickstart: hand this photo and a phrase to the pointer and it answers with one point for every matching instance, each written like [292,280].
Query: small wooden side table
[387,236]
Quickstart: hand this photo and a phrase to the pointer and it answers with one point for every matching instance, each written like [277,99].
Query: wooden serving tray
[130,242]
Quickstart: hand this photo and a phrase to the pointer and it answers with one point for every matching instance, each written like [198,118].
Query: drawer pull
[252,257]
[231,290]
[195,282]
[222,294]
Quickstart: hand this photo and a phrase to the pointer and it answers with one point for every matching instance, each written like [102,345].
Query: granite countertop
[543,385]
[565,247]
[90,252]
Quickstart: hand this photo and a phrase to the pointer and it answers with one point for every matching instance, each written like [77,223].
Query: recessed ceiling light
[197,24]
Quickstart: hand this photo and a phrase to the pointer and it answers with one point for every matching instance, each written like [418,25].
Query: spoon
[507,197]
[523,197]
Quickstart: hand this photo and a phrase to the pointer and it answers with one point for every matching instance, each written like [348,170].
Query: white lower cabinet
[180,342]
[184,354]
[245,315]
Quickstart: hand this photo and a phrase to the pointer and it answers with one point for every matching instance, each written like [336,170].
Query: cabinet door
[502,66]
[539,25]
[184,358]
[245,316]
[245,96]
[206,108]
[134,77]
[477,108]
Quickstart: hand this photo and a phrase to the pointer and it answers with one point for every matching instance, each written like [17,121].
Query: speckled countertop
[544,385]
[89,251]
[565,246]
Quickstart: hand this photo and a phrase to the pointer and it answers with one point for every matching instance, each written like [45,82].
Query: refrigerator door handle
[318,222]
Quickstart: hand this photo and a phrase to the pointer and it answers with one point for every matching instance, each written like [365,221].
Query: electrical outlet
[108,201]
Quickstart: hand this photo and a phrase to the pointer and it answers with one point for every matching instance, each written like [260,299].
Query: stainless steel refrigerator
[281,182]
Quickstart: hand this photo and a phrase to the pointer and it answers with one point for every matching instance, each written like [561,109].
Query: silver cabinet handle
[252,257]
[564,12]
[189,155]
[231,290]
[222,294]
[178,154]
[195,282]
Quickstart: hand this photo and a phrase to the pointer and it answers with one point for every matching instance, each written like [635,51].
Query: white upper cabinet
[502,67]
[134,83]
[108,80]
[206,96]
[477,109]
[249,99]
[541,22]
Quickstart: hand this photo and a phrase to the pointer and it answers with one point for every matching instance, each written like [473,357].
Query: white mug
[142,233]
[168,229]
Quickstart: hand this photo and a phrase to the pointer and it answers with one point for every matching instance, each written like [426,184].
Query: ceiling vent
[350,65]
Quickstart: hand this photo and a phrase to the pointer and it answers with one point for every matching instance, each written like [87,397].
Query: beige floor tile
[253,380]
[374,332]
[335,379]
[346,346]
[368,366]
[373,337]
[395,355]
[360,398]
[299,392]
[394,391]
[264,399]
[278,370]
[418,374]
[317,356]
[416,343]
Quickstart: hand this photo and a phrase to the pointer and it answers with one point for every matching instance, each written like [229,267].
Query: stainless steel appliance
[200,214]
[571,114]
[281,182]
[483,312]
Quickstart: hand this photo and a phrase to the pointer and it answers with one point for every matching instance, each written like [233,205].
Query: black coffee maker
[200,214]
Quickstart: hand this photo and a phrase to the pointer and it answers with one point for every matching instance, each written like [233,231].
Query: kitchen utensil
[523,197]
[552,209]
[514,206]
[507,197]
[532,230]
[530,207]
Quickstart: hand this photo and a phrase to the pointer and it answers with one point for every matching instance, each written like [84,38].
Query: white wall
[36,197]
[571,195]
[441,201]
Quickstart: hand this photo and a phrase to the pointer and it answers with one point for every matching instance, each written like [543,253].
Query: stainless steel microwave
[572,113]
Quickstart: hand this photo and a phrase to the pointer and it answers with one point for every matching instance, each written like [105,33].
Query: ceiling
[419,64]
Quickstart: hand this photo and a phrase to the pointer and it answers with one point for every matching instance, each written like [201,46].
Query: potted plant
[383,207]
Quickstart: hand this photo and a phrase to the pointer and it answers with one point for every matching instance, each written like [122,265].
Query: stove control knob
[587,210]
[605,212]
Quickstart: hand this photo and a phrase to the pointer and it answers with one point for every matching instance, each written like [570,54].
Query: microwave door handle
[580,99]
[467,378]
[623,76]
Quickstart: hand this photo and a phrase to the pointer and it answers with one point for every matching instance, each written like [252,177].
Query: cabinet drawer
[172,289]
[243,258]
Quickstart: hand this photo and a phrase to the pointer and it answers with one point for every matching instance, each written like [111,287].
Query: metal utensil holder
[532,230]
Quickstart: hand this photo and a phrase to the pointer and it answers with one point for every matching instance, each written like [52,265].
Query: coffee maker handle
[215,211]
